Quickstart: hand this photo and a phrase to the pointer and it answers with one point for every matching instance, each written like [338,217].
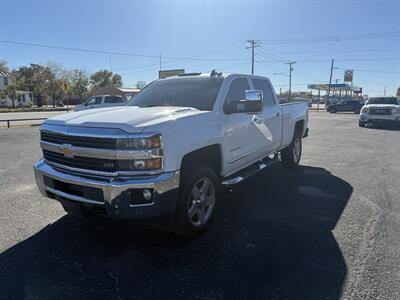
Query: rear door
[271,124]
[113,101]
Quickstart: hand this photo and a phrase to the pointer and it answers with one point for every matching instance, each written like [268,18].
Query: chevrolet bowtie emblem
[67,150]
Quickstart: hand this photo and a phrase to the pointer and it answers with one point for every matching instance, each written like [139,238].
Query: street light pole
[330,82]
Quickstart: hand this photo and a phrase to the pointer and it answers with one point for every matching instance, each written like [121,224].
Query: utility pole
[290,63]
[384,91]
[109,60]
[253,44]
[160,60]
[330,82]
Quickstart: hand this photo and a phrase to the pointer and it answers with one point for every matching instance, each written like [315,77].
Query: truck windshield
[199,93]
[383,100]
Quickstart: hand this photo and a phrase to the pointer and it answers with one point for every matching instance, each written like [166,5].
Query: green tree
[79,82]
[105,78]
[101,78]
[4,66]
[116,80]
[140,84]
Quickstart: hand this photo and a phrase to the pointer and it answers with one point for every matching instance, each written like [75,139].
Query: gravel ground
[328,230]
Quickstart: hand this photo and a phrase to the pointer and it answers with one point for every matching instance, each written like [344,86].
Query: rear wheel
[361,124]
[332,110]
[198,196]
[290,156]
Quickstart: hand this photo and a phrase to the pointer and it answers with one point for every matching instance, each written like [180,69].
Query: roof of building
[129,90]
[3,73]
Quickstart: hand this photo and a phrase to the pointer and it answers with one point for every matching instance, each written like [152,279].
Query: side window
[236,92]
[113,99]
[94,100]
[260,84]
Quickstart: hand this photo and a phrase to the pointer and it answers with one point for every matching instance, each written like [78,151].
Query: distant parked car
[345,105]
[380,110]
[101,101]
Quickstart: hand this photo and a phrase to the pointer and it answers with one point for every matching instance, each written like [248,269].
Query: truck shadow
[272,239]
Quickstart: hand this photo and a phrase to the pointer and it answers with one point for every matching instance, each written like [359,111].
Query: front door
[244,141]
[94,102]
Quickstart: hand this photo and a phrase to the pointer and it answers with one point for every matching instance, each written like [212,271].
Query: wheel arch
[210,155]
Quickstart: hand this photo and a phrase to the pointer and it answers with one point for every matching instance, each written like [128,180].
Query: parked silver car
[101,101]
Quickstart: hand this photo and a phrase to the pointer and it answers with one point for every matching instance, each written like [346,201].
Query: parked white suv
[101,101]
[168,152]
[380,110]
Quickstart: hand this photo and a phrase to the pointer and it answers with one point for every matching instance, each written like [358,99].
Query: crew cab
[101,101]
[380,110]
[170,150]
[345,105]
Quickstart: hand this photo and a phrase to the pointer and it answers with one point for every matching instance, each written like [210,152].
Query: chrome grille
[78,141]
[380,111]
[96,164]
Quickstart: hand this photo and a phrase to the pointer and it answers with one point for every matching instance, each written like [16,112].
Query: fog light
[147,194]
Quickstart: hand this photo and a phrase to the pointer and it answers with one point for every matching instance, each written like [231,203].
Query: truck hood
[132,119]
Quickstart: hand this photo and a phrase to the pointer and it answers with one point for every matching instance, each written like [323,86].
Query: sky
[199,36]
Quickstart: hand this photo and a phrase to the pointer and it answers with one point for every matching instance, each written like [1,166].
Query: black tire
[332,110]
[288,157]
[361,124]
[356,111]
[190,176]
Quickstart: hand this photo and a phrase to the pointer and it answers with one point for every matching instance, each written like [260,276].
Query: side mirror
[253,102]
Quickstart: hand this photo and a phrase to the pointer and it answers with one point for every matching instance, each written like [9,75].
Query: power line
[343,59]
[334,38]
[374,71]
[113,52]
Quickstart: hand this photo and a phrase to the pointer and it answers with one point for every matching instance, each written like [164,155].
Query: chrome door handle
[257,120]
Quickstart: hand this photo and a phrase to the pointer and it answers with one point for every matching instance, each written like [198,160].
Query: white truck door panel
[244,140]
[271,125]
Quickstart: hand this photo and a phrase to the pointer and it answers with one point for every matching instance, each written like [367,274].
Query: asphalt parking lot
[328,230]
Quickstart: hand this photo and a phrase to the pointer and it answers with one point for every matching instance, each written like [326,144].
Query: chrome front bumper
[111,187]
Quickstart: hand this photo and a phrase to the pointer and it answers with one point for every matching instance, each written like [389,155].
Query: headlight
[396,110]
[365,110]
[139,143]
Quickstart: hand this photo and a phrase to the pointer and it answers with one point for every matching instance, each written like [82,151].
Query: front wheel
[361,124]
[290,156]
[198,195]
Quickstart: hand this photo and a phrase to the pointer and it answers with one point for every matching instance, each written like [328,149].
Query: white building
[24,98]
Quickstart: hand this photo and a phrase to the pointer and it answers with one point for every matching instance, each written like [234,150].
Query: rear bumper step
[249,171]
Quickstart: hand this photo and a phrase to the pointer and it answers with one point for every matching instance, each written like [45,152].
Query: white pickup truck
[380,110]
[170,150]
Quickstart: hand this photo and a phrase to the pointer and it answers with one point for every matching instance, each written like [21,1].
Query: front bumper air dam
[116,192]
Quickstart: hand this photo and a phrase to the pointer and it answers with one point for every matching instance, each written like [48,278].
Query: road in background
[327,230]
[27,115]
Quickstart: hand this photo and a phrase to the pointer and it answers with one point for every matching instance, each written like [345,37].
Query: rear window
[383,100]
